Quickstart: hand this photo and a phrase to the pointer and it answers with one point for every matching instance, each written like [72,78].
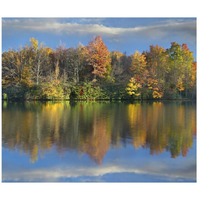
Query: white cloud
[166,28]
[183,170]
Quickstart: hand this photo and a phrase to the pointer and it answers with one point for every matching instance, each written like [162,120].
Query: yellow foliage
[157,94]
[117,54]
[48,50]
[179,85]
[138,63]
[34,43]
[26,77]
[53,90]
[132,87]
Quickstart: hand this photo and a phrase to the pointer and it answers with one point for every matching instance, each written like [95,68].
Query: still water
[99,142]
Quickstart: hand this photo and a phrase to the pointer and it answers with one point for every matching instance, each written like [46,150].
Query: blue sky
[124,164]
[119,34]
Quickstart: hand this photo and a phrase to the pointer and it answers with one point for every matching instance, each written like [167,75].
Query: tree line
[35,71]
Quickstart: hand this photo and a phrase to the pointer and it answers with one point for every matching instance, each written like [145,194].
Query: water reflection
[93,128]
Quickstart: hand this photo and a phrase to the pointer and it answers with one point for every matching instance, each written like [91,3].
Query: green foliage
[66,91]
[5,96]
[172,94]
[89,90]
[85,91]
[35,93]
[114,91]
[15,92]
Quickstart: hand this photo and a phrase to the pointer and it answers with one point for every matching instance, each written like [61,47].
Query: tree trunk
[64,76]
[38,72]
[77,76]
[95,76]
[163,80]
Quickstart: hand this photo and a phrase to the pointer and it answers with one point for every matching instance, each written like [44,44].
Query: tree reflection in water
[94,127]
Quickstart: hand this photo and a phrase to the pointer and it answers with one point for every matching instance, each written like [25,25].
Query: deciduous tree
[132,87]
[138,64]
[98,57]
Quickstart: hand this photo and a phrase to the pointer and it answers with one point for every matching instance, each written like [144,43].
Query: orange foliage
[98,56]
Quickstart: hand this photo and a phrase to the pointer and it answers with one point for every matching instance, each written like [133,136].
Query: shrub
[85,91]
[15,92]
[172,94]
[52,91]
[5,96]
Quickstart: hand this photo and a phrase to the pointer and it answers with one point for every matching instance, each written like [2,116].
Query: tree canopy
[38,72]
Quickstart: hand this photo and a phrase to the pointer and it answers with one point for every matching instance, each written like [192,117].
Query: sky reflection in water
[99,141]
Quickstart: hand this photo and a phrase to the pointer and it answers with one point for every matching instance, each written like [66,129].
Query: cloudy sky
[119,164]
[121,34]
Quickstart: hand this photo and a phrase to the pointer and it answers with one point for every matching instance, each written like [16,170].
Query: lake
[99,141]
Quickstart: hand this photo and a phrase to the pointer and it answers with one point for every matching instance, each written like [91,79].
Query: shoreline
[96,100]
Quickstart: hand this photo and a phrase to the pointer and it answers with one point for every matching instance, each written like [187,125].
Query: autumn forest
[37,72]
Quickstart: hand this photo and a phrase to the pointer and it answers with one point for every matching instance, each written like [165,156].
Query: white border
[103,8]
